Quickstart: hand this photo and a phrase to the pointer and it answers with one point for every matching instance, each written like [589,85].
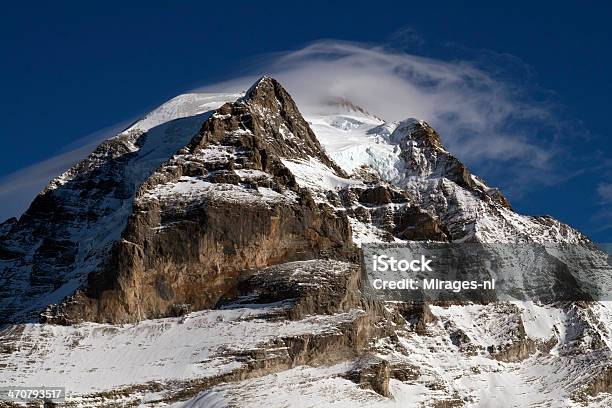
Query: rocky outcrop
[314,287]
[417,314]
[84,211]
[5,227]
[518,350]
[371,372]
[391,211]
[413,224]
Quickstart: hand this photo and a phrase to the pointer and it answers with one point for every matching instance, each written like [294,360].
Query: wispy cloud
[18,189]
[489,123]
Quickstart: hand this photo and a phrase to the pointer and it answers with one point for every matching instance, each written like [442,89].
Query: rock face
[212,248]
[223,205]
[234,195]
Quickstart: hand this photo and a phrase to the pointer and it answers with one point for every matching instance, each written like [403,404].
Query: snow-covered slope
[106,357]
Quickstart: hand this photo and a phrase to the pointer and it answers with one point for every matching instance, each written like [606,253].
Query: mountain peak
[227,226]
[263,85]
[419,131]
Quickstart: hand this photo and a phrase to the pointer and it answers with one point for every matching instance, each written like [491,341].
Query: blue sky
[71,69]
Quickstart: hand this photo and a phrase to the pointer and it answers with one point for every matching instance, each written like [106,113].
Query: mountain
[209,256]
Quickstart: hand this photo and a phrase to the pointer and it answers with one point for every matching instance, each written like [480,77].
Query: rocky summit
[209,255]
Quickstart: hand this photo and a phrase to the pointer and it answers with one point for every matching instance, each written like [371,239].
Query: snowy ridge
[182,106]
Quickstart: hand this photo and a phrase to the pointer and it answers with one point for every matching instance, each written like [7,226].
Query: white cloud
[484,121]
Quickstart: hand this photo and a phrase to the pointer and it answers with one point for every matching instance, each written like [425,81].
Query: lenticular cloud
[486,122]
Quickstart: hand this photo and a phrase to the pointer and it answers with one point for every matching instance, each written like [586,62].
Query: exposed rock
[387,208]
[404,372]
[193,248]
[515,351]
[417,314]
[460,339]
[450,403]
[371,372]
[414,224]
[315,287]
[424,153]
[320,294]
[518,346]
[85,208]
[6,226]
[380,195]
[600,383]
